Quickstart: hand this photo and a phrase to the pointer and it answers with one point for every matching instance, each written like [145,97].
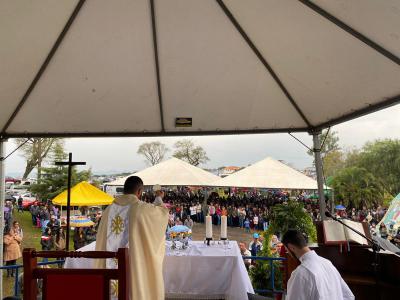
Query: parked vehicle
[27,199]
[27,203]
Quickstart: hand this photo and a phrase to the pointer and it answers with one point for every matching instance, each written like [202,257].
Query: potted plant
[283,216]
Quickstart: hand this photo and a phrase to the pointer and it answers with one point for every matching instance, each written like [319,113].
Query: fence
[261,258]
[272,277]
[17,267]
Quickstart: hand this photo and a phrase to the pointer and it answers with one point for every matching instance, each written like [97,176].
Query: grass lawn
[31,239]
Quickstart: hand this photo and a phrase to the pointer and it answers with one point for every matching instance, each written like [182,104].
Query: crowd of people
[12,240]
[373,217]
[47,217]
[250,211]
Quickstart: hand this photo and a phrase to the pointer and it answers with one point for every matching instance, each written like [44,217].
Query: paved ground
[234,233]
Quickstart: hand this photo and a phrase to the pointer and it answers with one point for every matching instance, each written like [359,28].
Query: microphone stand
[375,248]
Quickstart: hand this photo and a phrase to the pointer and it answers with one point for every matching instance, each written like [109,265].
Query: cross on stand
[70,164]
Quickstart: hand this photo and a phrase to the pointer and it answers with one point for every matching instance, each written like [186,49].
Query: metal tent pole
[320,177]
[2,199]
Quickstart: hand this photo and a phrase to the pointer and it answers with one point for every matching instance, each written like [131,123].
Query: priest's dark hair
[294,237]
[132,185]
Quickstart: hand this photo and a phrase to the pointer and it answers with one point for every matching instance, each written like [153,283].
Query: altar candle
[208,227]
[224,227]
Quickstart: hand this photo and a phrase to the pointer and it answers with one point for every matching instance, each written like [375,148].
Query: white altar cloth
[214,272]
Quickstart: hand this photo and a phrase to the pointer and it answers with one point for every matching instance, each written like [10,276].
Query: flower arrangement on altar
[180,236]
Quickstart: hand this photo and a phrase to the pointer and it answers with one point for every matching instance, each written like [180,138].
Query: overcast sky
[109,155]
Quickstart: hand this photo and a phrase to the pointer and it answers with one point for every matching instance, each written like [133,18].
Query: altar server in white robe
[129,222]
[315,278]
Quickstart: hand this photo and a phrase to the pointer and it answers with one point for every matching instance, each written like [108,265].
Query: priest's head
[133,185]
[295,243]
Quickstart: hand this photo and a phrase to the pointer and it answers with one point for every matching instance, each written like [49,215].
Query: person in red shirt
[218,212]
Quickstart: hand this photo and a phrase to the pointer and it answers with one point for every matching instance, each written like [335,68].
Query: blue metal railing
[272,267]
[17,267]
[261,258]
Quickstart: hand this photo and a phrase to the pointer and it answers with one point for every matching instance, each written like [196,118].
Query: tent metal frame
[384,103]
[314,130]
[351,31]
[43,67]
[157,63]
[253,47]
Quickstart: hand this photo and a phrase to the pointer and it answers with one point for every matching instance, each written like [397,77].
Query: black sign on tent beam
[70,164]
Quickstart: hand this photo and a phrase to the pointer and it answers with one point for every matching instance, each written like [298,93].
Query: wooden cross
[70,164]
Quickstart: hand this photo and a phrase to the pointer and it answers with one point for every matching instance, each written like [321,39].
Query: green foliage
[284,216]
[261,273]
[154,152]
[382,159]
[292,215]
[356,187]
[369,176]
[333,162]
[54,178]
[331,143]
[188,151]
[36,151]
[54,181]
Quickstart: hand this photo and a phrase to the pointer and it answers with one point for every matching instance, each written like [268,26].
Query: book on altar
[336,233]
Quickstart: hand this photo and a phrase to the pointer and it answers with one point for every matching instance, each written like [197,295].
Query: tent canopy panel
[327,70]
[99,73]
[28,30]
[215,78]
[269,173]
[232,66]
[172,172]
[84,194]
[378,20]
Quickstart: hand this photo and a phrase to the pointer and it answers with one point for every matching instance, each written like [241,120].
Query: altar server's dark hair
[132,185]
[295,238]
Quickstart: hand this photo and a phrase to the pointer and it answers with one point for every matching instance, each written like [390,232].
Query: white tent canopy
[172,172]
[269,173]
[132,67]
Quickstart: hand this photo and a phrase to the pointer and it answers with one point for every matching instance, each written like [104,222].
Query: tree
[186,150]
[292,215]
[330,145]
[382,158]
[35,151]
[54,178]
[154,152]
[333,162]
[356,187]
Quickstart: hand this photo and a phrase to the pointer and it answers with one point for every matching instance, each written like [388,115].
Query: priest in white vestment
[129,222]
[316,278]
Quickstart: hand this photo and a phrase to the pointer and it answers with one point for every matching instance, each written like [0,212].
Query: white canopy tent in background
[269,173]
[172,172]
[132,67]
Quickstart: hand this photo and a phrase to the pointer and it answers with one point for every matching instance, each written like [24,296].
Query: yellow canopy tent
[84,194]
